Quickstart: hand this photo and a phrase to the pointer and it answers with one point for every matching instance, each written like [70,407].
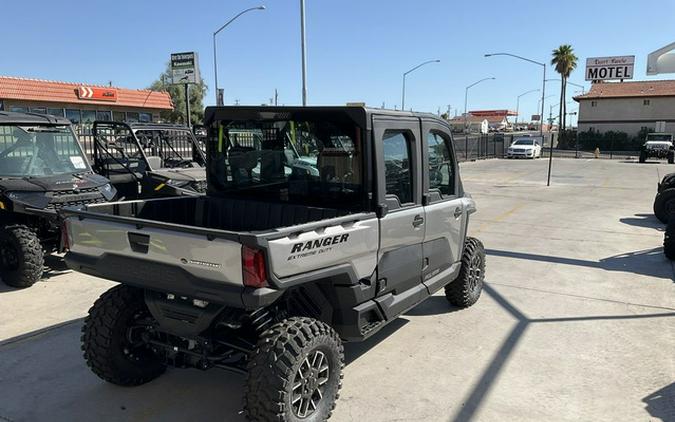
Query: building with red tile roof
[628,107]
[80,102]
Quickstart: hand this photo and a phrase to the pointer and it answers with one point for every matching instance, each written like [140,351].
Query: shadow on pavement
[649,262]
[661,403]
[54,266]
[435,305]
[644,220]
[51,382]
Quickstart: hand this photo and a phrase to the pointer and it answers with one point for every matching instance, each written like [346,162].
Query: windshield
[660,137]
[33,151]
[307,162]
[524,142]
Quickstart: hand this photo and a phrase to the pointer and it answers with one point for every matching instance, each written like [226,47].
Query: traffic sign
[185,68]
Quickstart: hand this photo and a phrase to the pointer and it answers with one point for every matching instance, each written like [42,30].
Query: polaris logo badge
[197,262]
[313,247]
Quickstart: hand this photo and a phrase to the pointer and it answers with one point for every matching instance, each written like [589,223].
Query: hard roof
[9,118]
[13,88]
[630,89]
[359,114]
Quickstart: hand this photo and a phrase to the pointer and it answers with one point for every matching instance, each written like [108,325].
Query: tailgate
[159,258]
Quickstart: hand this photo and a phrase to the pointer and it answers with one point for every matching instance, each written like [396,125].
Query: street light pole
[219,99]
[406,74]
[543,97]
[466,98]
[304,52]
[518,101]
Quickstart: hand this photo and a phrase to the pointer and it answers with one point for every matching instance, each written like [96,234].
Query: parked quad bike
[43,169]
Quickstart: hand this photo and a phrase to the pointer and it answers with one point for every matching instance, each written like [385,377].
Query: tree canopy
[177,93]
[565,61]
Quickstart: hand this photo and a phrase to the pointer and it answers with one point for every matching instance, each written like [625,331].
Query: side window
[441,167]
[397,165]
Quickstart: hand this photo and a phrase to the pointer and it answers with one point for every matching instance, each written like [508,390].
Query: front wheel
[466,289]
[295,372]
[664,204]
[21,256]
[114,338]
[669,241]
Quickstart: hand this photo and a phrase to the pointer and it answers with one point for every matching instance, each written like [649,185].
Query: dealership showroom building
[82,103]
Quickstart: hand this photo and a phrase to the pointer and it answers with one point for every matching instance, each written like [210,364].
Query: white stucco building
[628,107]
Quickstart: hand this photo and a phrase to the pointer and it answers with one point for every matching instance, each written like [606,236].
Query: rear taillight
[65,239]
[253,267]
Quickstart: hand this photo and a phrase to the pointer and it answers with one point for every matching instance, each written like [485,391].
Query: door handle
[139,242]
[458,212]
[418,221]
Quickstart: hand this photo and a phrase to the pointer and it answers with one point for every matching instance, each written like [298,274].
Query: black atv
[149,160]
[664,203]
[42,169]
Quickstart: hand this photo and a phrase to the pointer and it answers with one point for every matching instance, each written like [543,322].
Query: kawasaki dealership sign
[609,68]
[185,68]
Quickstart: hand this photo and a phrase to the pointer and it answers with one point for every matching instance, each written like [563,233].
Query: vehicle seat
[242,162]
[154,162]
[336,165]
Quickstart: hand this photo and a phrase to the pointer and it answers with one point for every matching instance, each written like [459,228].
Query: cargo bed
[194,245]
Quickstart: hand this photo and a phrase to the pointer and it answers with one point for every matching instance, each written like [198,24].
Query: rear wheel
[664,204]
[671,158]
[669,240]
[466,289]
[21,256]
[114,338]
[295,372]
[643,157]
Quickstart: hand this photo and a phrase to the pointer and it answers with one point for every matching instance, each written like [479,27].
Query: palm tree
[565,62]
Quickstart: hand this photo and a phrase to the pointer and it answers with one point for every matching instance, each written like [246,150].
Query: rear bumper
[170,279]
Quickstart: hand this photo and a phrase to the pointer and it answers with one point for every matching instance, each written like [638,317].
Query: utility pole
[304,52]
[276,97]
[187,104]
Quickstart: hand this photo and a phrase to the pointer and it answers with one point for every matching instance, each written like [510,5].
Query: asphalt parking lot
[577,322]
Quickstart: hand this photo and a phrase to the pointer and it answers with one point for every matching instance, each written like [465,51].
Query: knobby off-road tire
[466,289]
[111,351]
[669,240]
[643,157]
[671,159]
[667,182]
[664,204]
[295,372]
[21,256]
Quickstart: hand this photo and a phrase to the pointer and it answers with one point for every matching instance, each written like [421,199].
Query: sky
[357,50]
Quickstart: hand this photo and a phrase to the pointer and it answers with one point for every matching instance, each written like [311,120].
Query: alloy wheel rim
[475,272]
[309,384]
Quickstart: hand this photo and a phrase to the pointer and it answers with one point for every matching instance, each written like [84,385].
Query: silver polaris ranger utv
[320,225]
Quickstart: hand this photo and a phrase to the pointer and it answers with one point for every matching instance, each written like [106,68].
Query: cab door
[397,146]
[444,207]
